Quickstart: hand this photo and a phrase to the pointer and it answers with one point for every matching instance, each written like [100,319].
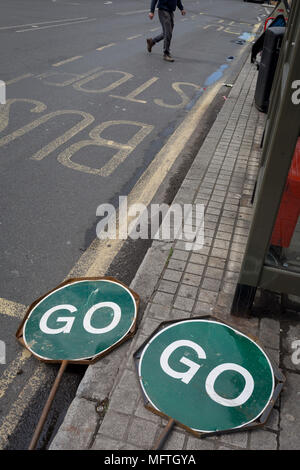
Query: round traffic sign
[206,375]
[80,320]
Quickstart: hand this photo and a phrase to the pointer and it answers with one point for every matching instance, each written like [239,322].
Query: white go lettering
[193,368]
[185,377]
[87,320]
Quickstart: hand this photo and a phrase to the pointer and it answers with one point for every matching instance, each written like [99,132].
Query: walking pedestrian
[166,10]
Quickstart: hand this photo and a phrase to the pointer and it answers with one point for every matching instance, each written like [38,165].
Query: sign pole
[164,435]
[47,406]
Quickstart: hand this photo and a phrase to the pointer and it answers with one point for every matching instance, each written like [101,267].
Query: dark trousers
[166,19]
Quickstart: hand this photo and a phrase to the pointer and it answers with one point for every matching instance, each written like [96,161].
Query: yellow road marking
[132,96]
[124,150]
[17,79]
[11,371]
[58,64]
[134,37]
[106,46]
[53,26]
[13,309]
[231,32]
[11,420]
[98,257]
[125,76]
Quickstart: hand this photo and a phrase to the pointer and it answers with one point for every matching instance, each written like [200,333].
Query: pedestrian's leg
[169,25]
[167,22]
[152,41]
[161,36]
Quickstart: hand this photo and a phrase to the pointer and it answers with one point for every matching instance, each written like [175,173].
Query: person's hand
[151,15]
[183,12]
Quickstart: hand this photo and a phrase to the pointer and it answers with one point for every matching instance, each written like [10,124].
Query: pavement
[108,411]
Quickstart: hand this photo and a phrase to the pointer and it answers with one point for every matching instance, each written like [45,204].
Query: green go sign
[206,375]
[80,320]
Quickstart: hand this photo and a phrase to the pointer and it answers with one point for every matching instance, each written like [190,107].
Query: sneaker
[168,58]
[150,44]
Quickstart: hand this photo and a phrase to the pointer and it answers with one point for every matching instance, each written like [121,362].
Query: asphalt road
[88,109]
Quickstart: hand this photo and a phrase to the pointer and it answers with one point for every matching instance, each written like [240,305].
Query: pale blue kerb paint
[246,36]
[215,76]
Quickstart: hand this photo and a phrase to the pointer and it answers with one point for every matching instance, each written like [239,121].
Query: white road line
[43,22]
[58,64]
[106,46]
[55,25]
[134,37]
[125,13]
[18,79]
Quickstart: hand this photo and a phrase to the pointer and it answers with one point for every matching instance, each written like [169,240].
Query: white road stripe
[55,25]
[106,46]
[18,79]
[58,64]
[125,13]
[43,22]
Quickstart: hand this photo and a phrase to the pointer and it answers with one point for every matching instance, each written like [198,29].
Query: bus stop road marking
[98,257]
[100,254]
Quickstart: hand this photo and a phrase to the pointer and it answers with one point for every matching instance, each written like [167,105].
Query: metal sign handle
[47,406]
[164,435]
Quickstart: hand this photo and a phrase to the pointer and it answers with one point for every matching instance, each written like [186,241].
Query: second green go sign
[80,320]
[206,375]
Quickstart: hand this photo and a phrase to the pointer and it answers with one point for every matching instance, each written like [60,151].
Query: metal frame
[281,133]
[64,363]
[132,331]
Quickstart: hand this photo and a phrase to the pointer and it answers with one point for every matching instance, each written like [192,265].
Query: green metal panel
[80,320]
[206,375]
